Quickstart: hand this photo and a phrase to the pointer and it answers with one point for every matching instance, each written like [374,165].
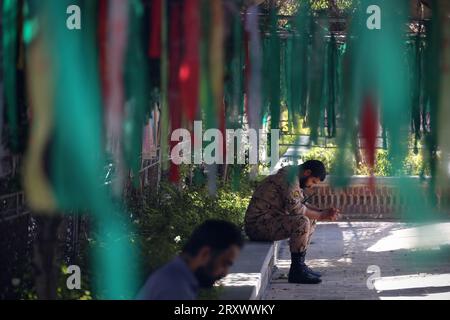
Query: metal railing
[12,206]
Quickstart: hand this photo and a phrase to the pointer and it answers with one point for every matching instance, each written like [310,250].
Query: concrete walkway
[409,261]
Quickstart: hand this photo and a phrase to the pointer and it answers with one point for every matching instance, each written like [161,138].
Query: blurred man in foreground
[206,258]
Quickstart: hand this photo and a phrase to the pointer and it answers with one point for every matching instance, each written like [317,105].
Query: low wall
[359,201]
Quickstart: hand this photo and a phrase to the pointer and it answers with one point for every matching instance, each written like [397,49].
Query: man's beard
[302,181]
[205,280]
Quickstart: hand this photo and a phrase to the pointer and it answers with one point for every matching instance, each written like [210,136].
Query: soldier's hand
[331,214]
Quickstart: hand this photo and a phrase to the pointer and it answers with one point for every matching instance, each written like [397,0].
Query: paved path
[414,262]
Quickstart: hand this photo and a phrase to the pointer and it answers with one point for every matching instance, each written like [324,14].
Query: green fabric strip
[77,152]
[137,90]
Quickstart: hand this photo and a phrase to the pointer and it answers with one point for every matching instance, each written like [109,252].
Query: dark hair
[217,234]
[317,168]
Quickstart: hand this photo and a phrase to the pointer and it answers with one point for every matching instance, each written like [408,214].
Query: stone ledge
[251,273]
[360,201]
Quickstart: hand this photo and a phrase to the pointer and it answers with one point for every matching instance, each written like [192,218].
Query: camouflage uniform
[276,211]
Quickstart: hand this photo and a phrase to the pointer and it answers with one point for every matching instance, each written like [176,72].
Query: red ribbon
[175,47]
[154,50]
[101,33]
[189,74]
[369,130]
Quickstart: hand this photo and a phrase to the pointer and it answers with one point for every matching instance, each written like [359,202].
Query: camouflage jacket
[278,194]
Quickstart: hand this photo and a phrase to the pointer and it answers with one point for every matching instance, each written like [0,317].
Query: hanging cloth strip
[234,83]
[324,100]
[274,70]
[385,56]
[217,63]
[237,68]
[154,50]
[190,68]
[10,12]
[77,147]
[443,174]
[207,97]
[286,78]
[316,78]
[255,66]
[303,23]
[341,50]
[137,90]
[416,78]
[36,181]
[102,44]
[369,130]
[175,47]
[432,84]
[113,43]
[349,108]
[1,85]
[299,54]
[164,83]
[265,94]
[330,107]
[253,77]
[216,69]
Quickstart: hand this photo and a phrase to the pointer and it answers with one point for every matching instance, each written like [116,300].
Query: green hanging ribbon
[416,78]
[234,93]
[299,73]
[432,85]
[324,99]
[274,70]
[443,174]
[331,86]
[388,63]
[286,83]
[77,157]
[348,108]
[316,78]
[136,89]
[265,77]
[206,99]
[164,152]
[341,50]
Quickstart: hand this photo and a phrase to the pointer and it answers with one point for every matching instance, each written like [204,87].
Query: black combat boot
[298,273]
[314,273]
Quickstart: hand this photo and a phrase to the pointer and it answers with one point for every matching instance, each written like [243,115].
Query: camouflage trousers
[268,227]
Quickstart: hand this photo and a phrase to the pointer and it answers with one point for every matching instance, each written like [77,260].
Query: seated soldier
[278,210]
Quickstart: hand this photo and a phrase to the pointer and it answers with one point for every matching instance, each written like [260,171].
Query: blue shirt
[173,281]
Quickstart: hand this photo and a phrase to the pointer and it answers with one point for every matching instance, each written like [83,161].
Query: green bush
[326,155]
[413,164]
[166,220]
[382,166]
